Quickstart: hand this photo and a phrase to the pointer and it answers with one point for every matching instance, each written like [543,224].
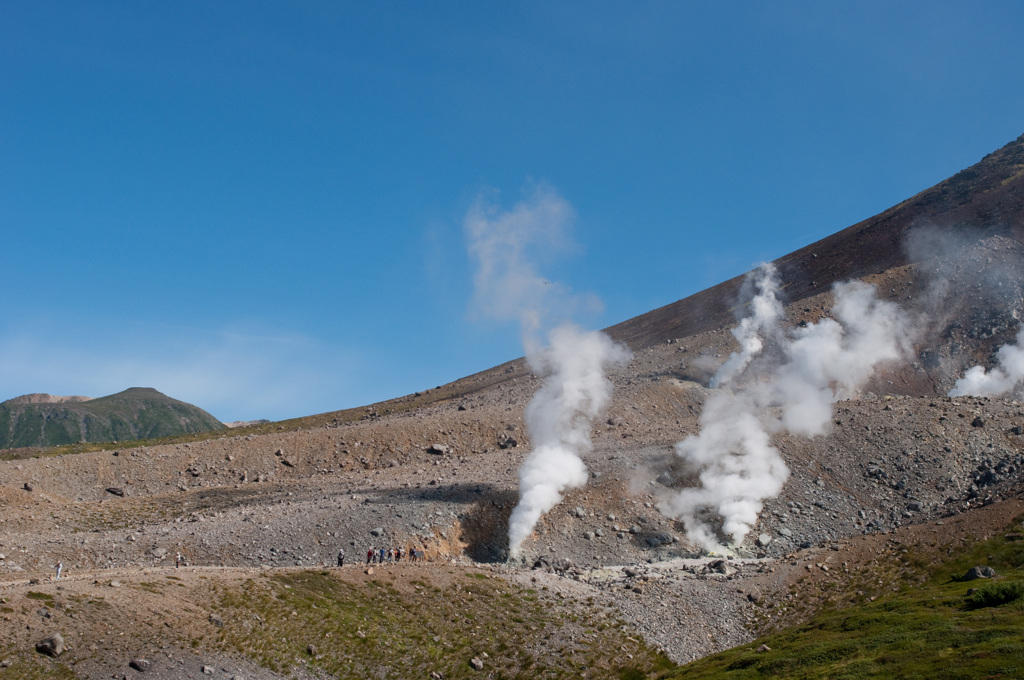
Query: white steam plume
[575,389]
[737,466]
[559,419]
[1005,377]
[832,359]
[766,311]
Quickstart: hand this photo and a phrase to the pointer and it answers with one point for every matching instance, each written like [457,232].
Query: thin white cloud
[235,374]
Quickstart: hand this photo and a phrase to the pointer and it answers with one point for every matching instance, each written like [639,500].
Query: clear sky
[259,207]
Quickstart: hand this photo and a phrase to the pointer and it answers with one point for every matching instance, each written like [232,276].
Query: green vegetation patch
[996,594]
[29,665]
[930,631]
[385,628]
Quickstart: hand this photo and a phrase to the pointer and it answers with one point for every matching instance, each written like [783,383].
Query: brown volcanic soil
[428,470]
[291,499]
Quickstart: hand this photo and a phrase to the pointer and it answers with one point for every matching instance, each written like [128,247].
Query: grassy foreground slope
[412,620]
[386,627]
[928,631]
[398,622]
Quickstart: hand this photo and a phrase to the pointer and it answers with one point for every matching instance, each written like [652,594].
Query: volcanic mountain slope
[983,204]
[36,420]
[253,512]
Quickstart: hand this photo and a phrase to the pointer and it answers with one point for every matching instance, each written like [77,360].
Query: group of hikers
[381,555]
[373,556]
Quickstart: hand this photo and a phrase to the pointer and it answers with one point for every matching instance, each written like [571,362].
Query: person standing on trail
[369,555]
[341,557]
[383,552]
[60,568]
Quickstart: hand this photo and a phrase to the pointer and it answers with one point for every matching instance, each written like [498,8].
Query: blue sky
[259,207]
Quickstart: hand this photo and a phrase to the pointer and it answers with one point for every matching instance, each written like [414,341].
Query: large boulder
[51,646]
[978,572]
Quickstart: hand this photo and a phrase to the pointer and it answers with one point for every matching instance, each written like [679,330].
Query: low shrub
[995,594]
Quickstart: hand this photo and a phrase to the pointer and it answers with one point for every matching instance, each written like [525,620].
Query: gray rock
[51,646]
[28,486]
[786,532]
[562,564]
[978,572]
[115,490]
[379,531]
[658,539]
[763,540]
[476,663]
[141,665]
[438,449]
[209,670]
[722,567]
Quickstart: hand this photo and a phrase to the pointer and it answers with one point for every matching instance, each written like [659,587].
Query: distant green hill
[136,413]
